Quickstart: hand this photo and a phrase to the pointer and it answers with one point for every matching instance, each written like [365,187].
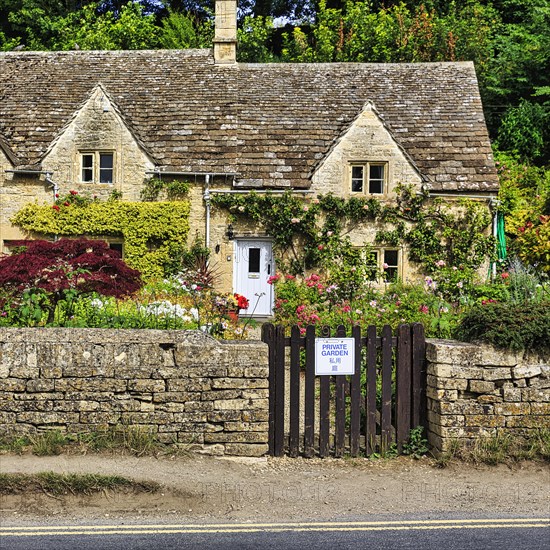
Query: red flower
[242,301]
[66,203]
[505,275]
[55,207]
[57,195]
[73,192]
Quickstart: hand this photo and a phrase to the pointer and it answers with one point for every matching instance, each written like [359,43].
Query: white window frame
[95,168]
[365,178]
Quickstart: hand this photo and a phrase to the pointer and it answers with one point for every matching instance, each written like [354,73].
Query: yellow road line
[287,524]
[275,528]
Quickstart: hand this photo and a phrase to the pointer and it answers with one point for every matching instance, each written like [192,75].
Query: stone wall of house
[477,390]
[15,191]
[184,385]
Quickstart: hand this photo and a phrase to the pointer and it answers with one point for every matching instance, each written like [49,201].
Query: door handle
[269,269]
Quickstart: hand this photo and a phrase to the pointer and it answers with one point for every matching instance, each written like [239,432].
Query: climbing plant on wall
[154,233]
[313,231]
[306,233]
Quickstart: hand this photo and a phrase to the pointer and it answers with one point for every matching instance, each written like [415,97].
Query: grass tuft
[501,448]
[56,484]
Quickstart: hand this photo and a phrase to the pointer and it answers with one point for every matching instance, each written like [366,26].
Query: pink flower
[290,277]
[440,263]
[505,275]
[306,208]
[423,309]
[320,247]
[295,220]
[273,279]
[330,233]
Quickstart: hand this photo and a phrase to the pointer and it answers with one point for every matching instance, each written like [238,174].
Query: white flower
[97,303]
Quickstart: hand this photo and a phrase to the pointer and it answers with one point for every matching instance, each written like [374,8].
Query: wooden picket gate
[364,413]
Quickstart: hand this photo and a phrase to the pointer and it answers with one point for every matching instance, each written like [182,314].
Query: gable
[366,140]
[96,125]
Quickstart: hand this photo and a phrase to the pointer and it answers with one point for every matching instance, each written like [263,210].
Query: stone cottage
[98,121]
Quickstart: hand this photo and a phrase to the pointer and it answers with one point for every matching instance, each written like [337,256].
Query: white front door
[253,265]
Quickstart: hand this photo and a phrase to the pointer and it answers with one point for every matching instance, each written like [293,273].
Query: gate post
[403,386]
[418,376]
[268,337]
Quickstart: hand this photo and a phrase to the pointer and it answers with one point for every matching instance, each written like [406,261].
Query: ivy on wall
[154,187]
[154,233]
[313,231]
[307,232]
[456,232]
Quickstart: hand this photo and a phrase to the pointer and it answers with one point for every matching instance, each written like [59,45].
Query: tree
[183,30]
[130,29]
[40,275]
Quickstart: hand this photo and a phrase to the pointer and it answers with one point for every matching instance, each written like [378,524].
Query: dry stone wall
[477,390]
[183,385]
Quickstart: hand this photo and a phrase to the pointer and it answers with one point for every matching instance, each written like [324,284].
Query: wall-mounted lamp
[230,233]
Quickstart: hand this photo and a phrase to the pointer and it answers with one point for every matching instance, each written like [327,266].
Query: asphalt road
[451,534]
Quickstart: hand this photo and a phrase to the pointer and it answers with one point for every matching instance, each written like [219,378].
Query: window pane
[357,179]
[376,179]
[253,260]
[106,168]
[376,172]
[391,258]
[106,160]
[87,168]
[117,247]
[376,187]
[372,266]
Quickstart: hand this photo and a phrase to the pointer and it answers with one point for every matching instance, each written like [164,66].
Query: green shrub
[507,325]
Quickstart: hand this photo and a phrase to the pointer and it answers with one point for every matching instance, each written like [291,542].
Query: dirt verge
[273,490]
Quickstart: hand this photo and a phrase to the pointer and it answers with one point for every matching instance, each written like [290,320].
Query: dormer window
[97,167]
[369,178]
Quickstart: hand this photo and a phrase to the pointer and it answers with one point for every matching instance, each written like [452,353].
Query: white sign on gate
[334,356]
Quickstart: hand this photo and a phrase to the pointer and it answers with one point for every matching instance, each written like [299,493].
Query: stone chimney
[225,35]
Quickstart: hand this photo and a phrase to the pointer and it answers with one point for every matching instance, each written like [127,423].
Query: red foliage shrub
[80,264]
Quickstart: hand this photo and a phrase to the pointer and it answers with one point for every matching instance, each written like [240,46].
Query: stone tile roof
[269,123]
